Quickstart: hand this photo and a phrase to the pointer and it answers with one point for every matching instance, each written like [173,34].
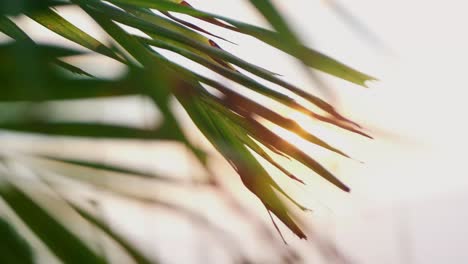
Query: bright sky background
[408,203]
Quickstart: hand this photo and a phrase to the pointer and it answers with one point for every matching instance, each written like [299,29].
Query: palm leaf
[13,247]
[232,122]
[65,245]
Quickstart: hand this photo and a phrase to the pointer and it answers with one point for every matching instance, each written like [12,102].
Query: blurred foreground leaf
[61,242]
[13,247]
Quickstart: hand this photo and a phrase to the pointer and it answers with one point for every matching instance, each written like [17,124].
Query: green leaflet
[27,68]
[53,21]
[194,27]
[11,52]
[91,130]
[244,106]
[102,180]
[309,56]
[71,68]
[156,29]
[254,177]
[276,143]
[13,247]
[12,30]
[228,73]
[170,25]
[238,127]
[108,167]
[233,75]
[243,79]
[133,252]
[65,245]
[149,16]
[50,83]
[20,6]
[64,89]
[158,80]
[269,11]
[270,139]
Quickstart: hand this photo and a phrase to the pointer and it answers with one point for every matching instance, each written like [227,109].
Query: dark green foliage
[13,247]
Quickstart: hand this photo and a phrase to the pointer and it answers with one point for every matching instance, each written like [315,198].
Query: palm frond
[232,122]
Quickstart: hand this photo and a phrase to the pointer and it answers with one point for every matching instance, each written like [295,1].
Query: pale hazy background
[409,202]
